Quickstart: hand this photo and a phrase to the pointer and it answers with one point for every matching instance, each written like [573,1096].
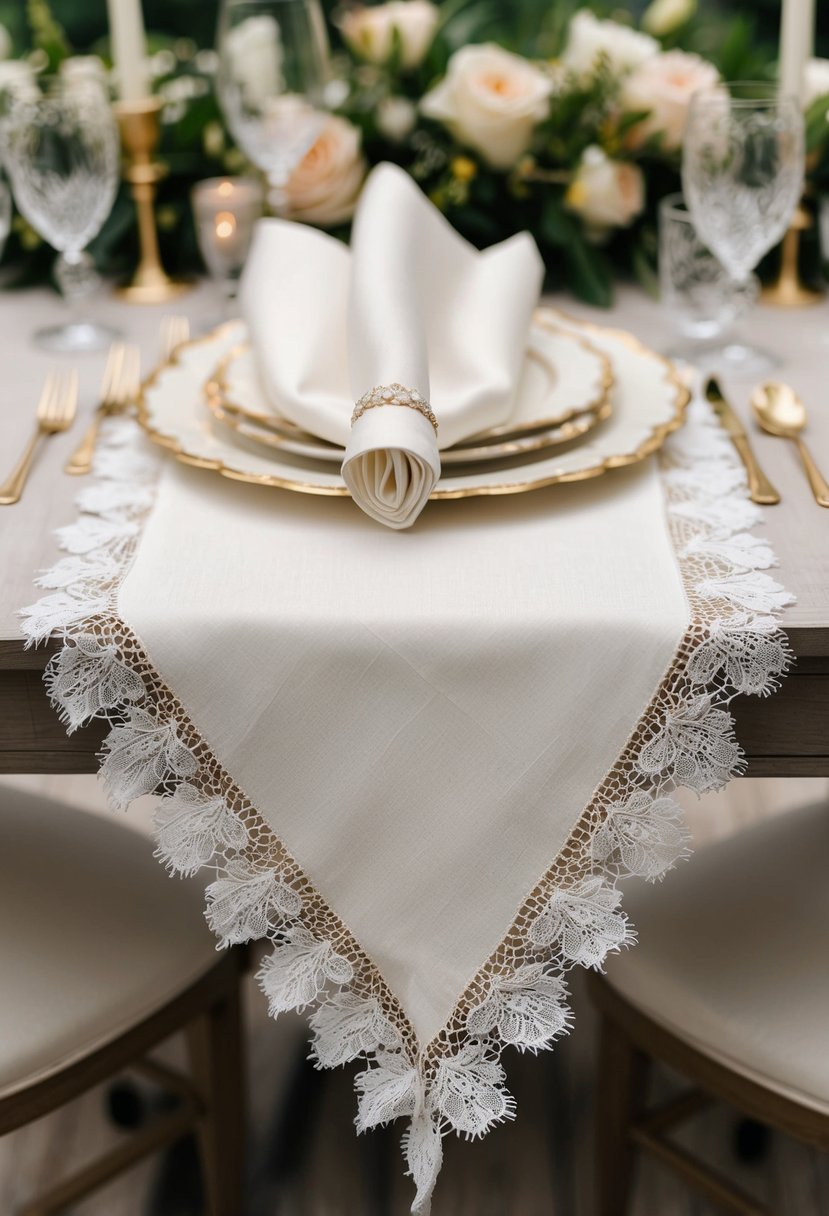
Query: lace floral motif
[190,828]
[257,890]
[525,1009]
[245,904]
[300,969]
[85,679]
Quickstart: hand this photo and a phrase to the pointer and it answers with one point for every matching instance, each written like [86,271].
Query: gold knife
[759,487]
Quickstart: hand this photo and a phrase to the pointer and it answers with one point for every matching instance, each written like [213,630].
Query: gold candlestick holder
[788,290]
[140,125]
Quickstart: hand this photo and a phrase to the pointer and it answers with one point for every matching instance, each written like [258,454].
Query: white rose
[664,86]
[606,193]
[370,32]
[17,76]
[815,81]
[84,72]
[396,117]
[253,51]
[662,17]
[491,100]
[325,185]
[5,43]
[589,40]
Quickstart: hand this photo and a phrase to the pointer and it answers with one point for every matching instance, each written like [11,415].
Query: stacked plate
[589,399]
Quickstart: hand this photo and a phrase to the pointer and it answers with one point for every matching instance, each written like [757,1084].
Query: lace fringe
[573,917]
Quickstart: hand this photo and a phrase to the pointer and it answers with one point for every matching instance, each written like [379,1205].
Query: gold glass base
[788,290]
[152,290]
[788,293]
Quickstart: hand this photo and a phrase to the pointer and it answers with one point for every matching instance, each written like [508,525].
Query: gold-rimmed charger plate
[648,400]
[564,393]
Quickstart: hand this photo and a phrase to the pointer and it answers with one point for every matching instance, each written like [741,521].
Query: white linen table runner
[420,720]
[417,762]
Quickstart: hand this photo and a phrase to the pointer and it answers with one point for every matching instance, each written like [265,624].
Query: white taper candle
[797,34]
[129,49]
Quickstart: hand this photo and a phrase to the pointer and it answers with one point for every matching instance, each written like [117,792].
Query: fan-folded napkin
[411,304]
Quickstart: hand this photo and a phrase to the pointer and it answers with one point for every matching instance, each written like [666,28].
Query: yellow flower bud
[463,168]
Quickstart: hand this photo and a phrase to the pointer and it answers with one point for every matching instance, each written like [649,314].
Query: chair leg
[623,1074]
[217,1062]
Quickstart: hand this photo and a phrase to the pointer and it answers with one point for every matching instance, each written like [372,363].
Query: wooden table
[784,735]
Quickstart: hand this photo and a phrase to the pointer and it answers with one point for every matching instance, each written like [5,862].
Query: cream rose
[492,101]
[17,76]
[254,55]
[84,73]
[606,193]
[324,187]
[664,86]
[815,81]
[662,17]
[589,40]
[370,32]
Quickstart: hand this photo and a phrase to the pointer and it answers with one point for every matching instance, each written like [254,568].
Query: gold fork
[118,390]
[175,329]
[55,412]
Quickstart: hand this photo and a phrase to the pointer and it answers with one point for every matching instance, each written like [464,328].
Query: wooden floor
[309,1163]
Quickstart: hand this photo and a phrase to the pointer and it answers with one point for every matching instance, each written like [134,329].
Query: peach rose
[664,86]
[606,193]
[492,101]
[324,187]
[370,32]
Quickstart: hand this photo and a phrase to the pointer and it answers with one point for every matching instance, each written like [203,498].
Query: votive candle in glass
[225,210]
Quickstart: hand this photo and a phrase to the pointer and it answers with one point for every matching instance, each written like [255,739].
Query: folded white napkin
[412,307]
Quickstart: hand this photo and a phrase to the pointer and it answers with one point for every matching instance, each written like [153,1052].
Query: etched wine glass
[703,299]
[272,77]
[61,151]
[742,176]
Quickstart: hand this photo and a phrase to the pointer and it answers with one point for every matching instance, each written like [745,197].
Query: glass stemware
[704,300]
[273,71]
[61,150]
[742,175]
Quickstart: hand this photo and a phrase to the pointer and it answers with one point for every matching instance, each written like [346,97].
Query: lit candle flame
[225,225]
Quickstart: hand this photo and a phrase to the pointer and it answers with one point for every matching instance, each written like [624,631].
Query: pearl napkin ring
[394,394]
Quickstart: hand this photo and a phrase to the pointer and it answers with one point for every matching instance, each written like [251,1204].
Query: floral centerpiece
[576,141]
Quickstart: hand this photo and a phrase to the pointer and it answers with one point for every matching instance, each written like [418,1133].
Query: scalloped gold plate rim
[498,444]
[657,436]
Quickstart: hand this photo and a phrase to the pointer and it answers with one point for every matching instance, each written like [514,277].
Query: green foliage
[485,205]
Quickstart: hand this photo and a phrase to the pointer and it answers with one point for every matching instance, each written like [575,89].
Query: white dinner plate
[563,393]
[648,402]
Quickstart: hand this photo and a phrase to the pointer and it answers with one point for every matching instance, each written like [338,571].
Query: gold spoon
[780,412]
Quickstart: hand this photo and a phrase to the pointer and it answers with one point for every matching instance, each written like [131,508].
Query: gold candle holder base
[788,290]
[140,125]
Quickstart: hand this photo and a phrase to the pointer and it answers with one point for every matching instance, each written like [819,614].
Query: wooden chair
[729,987]
[103,956]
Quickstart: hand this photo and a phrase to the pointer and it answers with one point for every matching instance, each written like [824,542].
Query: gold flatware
[175,331]
[759,487]
[119,389]
[780,412]
[55,412]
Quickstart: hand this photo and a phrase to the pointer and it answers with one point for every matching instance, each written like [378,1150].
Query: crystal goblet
[272,77]
[61,151]
[742,176]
